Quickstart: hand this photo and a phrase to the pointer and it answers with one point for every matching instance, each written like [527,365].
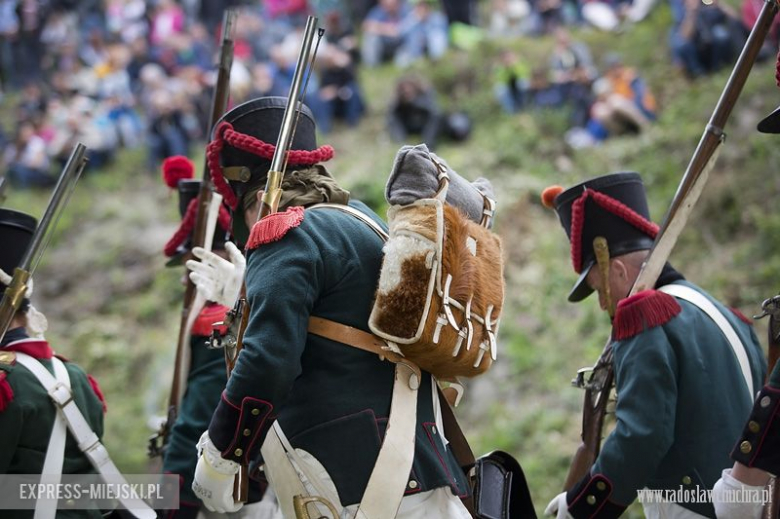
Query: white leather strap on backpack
[705,305]
[86,438]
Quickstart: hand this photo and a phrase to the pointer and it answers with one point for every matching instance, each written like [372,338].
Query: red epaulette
[6,393]
[642,311]
[97,391]
[204,324]
[274,226]
[742,317]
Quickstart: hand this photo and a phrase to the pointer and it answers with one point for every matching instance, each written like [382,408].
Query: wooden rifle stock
[687,194]
[219,102]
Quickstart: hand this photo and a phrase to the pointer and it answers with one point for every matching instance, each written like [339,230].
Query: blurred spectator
[459,11]
[167,19]
[414,111]
[550,14]
[707,37]
[291,13]
[511,84]
[26,161]
[510,18]
[382,32]
[9,32]
[339,93]
[749,11]
[623,102]
[573,72]
[125,19]
[541,92]
[423,33]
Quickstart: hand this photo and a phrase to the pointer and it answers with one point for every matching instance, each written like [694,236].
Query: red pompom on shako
[176,168]
[549,194]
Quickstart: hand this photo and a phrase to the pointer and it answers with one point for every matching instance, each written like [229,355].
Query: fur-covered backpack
[441,286]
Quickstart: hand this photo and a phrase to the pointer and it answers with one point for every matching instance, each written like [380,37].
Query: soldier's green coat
[331,400]
[27,420]
[205,382]
[681,402]
[759,444]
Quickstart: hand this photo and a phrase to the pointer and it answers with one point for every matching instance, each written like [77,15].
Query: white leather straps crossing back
[357,214]
[86,438]
[46,508]
[706,306]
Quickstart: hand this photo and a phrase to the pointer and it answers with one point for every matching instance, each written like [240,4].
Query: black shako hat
[770,123]
[181,242]
[245,138]
[613,206]
[16,232]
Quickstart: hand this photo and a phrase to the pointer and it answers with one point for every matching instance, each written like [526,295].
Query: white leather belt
[86,438]
[705,305]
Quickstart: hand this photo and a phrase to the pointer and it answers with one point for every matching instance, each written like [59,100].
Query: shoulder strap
[368,342]
[86,438]
[357,214]
[705,305]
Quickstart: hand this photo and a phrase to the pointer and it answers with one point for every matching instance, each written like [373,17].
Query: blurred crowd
[136,73]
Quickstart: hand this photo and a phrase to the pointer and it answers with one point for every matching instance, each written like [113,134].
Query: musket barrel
[272,194]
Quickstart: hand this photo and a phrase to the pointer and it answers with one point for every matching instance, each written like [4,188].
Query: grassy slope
[114,308]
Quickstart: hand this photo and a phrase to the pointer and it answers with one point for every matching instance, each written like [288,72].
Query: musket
[238,318]
[15,293]
[598,385]
[219,102]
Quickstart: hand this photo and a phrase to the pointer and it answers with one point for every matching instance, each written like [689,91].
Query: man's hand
[214,477]
[216,278]
[558,507]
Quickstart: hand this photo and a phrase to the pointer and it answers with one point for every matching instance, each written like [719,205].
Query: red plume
[549,194]
[176,168]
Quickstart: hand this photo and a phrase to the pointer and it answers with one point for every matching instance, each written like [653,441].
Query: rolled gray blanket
[414,176]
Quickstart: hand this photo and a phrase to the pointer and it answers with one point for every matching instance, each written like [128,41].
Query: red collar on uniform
[35,348]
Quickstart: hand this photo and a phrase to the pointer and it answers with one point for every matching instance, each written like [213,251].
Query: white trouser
[668,510]
[267,508]
[433,504]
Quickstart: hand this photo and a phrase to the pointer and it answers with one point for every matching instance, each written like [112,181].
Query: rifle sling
[365,341]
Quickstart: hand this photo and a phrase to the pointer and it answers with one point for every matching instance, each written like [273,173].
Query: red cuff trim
[274,227]
[204,324]
[6,393]
[228,402]
[775,412]
[642,311]
[98,392]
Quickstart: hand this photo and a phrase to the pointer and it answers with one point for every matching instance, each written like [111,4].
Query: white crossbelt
[86,438]
[46,508]
[388,480]
[705,305]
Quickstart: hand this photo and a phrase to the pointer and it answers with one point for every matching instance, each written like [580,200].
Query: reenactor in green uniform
[686,366]
[324,401]
[207,375]
[756,453]
[27,413]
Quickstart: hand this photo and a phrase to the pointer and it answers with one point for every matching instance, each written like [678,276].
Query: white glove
[214,477]
[731,498]
[558,507]
[216,278]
